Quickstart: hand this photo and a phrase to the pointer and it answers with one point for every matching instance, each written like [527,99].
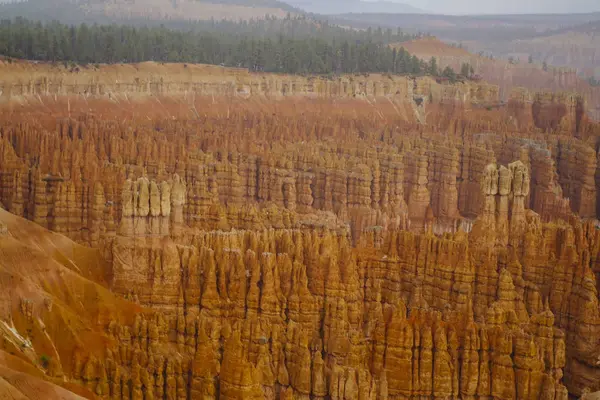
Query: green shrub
[45,360]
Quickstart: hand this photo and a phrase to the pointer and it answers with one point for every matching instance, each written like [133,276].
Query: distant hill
[101,10]
[190,9]
[467,27]
[352,6]
[562,40]
[577,47]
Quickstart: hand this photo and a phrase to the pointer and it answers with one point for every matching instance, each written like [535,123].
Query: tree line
[274,52]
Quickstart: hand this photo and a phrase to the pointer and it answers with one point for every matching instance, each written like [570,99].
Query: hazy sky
[505,6]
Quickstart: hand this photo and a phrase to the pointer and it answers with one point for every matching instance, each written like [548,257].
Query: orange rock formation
[367,248]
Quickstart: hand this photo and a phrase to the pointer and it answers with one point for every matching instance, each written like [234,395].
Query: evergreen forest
[291,45]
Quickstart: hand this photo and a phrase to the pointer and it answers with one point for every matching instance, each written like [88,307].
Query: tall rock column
[520,191]
[502,204]
[418,194]
[178,199]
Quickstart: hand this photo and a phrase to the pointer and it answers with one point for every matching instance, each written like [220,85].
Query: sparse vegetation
[45,361]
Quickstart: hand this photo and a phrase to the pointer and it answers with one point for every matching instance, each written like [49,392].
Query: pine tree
[433,67]
[449,73]
[415,65]
[466,70]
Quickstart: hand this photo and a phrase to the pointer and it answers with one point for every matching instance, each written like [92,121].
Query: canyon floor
[175,231]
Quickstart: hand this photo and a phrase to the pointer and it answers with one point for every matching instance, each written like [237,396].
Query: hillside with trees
[319,52]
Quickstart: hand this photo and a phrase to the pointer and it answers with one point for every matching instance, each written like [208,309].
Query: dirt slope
[48,311]
[21,381]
